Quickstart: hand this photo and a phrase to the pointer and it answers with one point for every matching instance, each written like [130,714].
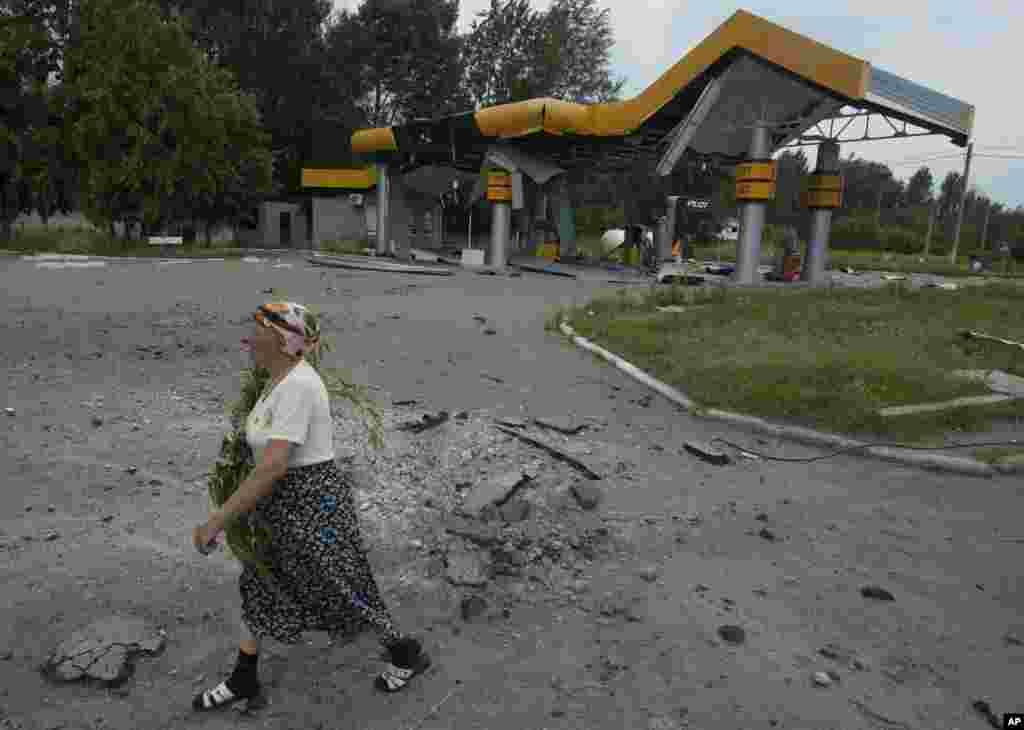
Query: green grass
[89,241]
[825,358]
[1000,455]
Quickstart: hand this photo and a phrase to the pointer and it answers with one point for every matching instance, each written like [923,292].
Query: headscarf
[297,327]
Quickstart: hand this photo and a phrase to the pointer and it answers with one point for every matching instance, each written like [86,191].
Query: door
[286,230]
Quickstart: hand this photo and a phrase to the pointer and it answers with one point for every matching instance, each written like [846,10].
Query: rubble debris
[490,331]
[481,535]
[766,534]
[562,424]
[732,634]
[706,452]
[877,593]
[428,422]
[1012,640]
[822,680]
[492,378]
[494,492]
[103,651]
[556,452]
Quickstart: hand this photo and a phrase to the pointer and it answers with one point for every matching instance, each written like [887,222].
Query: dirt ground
[132,365]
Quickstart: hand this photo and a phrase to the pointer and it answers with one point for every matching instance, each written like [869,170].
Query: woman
[320,577]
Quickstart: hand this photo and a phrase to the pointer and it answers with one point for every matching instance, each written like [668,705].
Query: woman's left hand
[204,537]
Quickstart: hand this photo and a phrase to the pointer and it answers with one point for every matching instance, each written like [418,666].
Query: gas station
[747,91]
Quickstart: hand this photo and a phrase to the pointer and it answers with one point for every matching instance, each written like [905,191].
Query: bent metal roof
[747,69]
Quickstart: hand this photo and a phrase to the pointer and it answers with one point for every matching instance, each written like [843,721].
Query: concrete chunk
[103,651]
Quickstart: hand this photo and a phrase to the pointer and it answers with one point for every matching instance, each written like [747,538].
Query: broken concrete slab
[483,535]
[560,454]
[974,400]
[104,651]
[494,491]
[705,452]
[515,510]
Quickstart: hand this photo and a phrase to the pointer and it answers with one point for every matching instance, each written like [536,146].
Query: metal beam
[682,135]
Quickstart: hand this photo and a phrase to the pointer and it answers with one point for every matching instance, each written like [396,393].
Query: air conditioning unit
[355,199]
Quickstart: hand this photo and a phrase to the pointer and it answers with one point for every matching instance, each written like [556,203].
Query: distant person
[320,578]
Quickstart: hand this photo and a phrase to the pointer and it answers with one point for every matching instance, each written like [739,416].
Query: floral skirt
[320,578]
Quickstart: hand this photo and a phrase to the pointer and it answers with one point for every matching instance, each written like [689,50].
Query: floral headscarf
[298,327]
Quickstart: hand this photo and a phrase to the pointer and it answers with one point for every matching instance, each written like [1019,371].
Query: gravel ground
[119,378]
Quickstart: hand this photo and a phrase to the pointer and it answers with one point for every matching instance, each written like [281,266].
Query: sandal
[395,678]
[218,697]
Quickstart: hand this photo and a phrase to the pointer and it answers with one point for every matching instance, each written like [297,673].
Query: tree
[156,129]
[919,188]
[26,63]
[949,196]
[401,60]
[791,181]
[513,53]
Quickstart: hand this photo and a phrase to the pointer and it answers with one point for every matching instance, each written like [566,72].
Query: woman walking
[319,578]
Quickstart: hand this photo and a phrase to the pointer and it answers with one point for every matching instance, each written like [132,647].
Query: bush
[855,232]
[901,240]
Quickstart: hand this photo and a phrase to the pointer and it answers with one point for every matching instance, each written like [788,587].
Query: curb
[923,459]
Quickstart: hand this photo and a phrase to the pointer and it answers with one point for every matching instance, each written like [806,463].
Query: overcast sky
[964,50]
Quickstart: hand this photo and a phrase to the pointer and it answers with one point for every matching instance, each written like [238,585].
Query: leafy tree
[513,52]
[157,130]
[919,187]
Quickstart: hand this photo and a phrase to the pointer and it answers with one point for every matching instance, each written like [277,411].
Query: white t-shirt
[297,410]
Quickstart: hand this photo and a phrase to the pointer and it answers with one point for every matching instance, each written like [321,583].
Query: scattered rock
[9,411]
[52,536]
[877,593]
[761,517]
[426,423]
[822,680]
[494,491]
[1013,640]
[97,421]
[472,607]
[103,651]
[480,318]
[51,509]
[767,534]
[490,331]
[732,634]
[587,496]
[6,655]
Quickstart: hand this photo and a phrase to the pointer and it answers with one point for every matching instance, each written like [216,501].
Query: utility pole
[984,226]
[931,227]
[963,198]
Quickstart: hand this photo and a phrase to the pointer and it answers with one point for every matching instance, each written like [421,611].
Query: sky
[963,50]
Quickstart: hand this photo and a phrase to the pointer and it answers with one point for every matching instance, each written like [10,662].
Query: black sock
[245,679]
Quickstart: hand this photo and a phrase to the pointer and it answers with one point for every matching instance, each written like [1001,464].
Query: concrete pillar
[436,229]
[821,220]
[383,209]
[752,213]
[665,249]
[499,192]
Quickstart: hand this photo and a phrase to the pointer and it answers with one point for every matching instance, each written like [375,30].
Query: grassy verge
[826,358]
[346,247]
[878,261]
[88,241]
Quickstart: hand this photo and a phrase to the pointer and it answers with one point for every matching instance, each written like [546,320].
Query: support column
[824,193]
[499,192]
[383,209]
[755,186]
[566,221]
[437,225]
[665,249]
